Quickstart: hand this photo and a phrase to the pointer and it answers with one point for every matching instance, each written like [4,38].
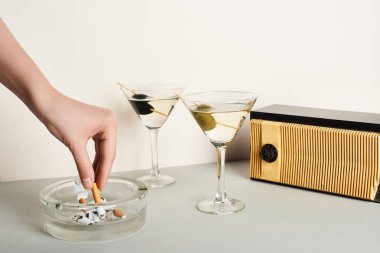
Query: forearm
[21,75]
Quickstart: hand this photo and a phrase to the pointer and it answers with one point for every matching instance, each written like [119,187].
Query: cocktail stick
[226,125]
[163,114]
[125,87]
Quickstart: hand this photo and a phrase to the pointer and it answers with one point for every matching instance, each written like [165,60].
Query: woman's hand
[74,123]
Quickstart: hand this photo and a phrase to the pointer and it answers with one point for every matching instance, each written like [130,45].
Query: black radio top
[319,117]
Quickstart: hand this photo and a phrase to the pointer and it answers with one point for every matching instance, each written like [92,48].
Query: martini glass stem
[155,171]
[221,195]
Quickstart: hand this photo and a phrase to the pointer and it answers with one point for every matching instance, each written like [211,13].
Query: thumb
[84,166]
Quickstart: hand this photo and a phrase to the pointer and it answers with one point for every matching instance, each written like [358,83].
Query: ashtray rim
[46,191]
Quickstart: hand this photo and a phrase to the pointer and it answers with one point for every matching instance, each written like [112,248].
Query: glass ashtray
[121,213]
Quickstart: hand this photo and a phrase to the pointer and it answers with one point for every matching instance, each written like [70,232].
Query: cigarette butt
[101,212]
[96,219]
[85,221]
[82,195]
[89,215]
[96,194]
[118,213]
[83,202]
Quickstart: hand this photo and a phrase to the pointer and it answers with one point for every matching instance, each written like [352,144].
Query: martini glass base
[159,181]
[229,206]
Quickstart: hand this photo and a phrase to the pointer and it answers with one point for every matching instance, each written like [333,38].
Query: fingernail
[87,183]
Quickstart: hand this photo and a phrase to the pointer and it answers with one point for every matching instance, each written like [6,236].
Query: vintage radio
[323,150]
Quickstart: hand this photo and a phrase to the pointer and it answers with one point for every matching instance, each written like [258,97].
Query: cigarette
[118,213]
[96,194]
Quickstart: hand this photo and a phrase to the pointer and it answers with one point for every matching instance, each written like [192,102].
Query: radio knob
[268,153]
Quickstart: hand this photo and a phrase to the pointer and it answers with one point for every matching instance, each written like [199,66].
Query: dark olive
[141,107]
[140,96]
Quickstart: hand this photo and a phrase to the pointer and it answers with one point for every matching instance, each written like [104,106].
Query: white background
[321,53]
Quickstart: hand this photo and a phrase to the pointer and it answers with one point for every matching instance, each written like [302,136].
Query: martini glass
[153,104]
[220,114]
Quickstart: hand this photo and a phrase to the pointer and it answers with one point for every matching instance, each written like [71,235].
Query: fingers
[96,162]
[107,147]
[84,166]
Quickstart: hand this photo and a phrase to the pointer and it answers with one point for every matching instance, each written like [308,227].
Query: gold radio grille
[333,160]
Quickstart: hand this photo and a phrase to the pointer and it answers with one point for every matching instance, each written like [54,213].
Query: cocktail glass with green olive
[153,104]
[220,114]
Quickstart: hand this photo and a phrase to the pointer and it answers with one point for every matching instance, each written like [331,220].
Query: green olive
[203,108]
[206,121]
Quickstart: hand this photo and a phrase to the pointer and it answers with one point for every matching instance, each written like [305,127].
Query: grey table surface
[276,218]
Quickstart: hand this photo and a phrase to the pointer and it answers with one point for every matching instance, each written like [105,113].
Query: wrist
[41,99]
